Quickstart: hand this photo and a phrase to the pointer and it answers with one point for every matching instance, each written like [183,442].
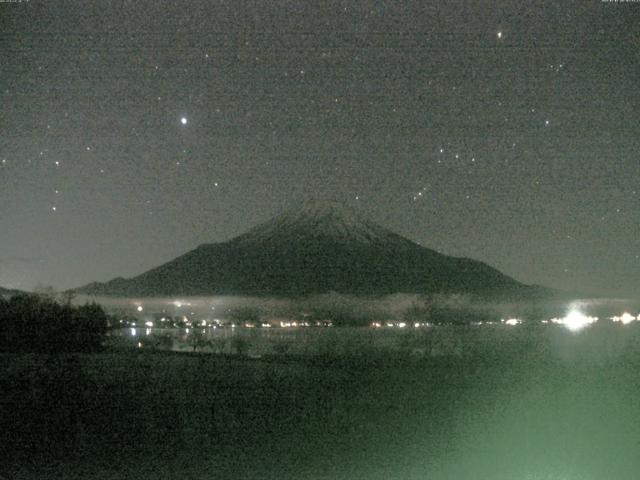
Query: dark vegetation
[36,323]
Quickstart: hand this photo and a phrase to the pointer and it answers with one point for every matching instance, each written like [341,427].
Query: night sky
[508,132]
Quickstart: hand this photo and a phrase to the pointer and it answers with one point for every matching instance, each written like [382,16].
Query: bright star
[183,120]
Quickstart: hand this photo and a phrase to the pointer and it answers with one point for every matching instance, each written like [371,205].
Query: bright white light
[513,321]
[402,325]
[183,120]
[139,308]
[576,320]
[499,35]
[149,324]
[625,318]
[133,332]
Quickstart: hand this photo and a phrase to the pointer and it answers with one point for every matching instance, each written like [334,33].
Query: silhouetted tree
[33,323]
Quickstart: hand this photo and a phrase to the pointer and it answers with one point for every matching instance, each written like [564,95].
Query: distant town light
[576,321]
[625,318]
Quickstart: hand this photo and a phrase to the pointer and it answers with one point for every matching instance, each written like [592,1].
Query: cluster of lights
[284,324]
[511,321]
[399,324]
[625,318]
[573,321]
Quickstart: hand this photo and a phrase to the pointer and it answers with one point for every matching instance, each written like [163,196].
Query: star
[183,120]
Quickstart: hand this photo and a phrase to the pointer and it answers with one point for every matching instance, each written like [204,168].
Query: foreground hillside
[541,404]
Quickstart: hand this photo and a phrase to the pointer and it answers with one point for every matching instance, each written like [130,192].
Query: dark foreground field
[528,405]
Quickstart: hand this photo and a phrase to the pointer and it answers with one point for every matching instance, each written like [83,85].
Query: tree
[197,339]
[34,323]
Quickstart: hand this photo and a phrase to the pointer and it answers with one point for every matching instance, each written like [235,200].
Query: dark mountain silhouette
[318,248]
[6,292]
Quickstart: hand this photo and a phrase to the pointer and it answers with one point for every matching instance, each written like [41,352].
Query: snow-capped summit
[316,220]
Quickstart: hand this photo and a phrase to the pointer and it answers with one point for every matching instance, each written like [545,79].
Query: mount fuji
[317,248]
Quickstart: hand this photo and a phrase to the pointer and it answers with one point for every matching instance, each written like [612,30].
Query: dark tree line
[33,323]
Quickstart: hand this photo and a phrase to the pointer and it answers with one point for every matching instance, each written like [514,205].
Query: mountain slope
[6,292]
[318,248]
